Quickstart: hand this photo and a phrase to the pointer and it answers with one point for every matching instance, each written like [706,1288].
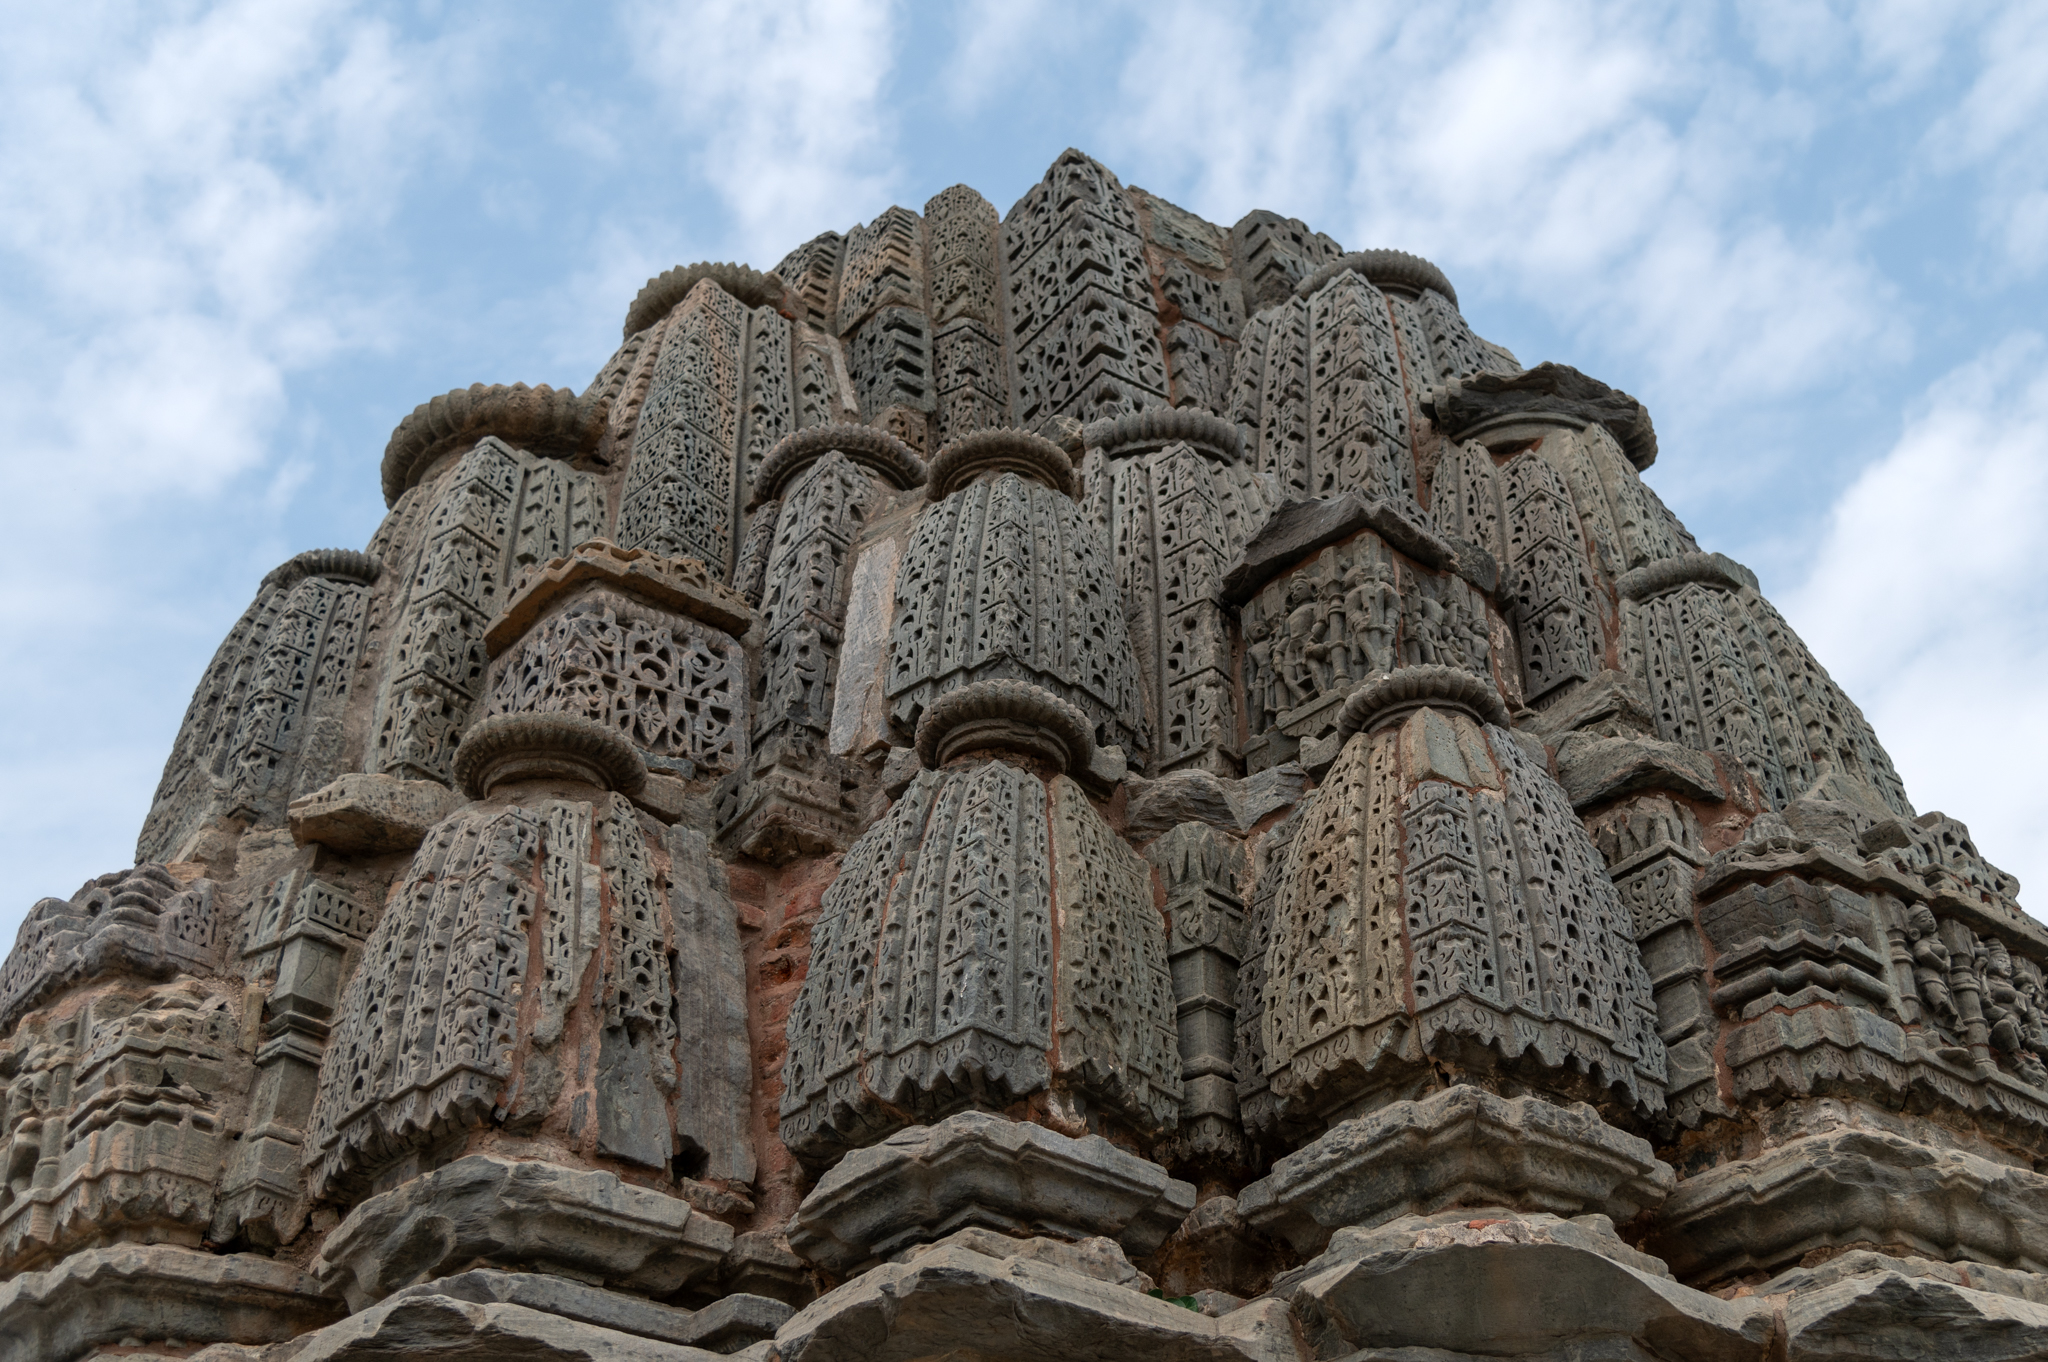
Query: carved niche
[1441,907]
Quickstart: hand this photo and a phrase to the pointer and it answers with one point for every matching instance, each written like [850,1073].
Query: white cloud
[1924,601]
[2001,128]
[181,183]
[1604,162]
[781,105]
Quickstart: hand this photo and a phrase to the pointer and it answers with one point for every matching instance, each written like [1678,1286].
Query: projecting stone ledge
[1461,1147]
[155,1293]
[371,814]
[532,1216]
[974,1169]
[1296,529]
[961,1299]
[1503,1284]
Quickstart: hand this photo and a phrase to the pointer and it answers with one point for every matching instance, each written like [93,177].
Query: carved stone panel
[265,724]
[500,511]
[139,921]
[883,267]
[1726,674]
[1442,900]
[1009,579]
[1084,328]
[722,393]
[525,972]
[1176,522]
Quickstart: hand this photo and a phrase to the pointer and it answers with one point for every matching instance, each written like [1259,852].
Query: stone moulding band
[671,286]
[1399,268]
[508,747]
[1393,697]
[865,445]
[1008,715]
[341,565]
[1155,428]
[1000,450]
[552,422]
[1668,574]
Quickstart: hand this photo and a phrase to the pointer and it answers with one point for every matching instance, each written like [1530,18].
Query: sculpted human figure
[1261,684]
[1300,672]
[1930,962]
[1381,612]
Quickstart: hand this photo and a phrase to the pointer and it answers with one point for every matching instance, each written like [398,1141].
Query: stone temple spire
[1054,784]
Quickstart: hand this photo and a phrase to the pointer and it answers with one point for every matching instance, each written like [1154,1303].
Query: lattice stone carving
[934,987]
[139,921]
[265,724]
[811,272]
[1726,673]
[891,360]
[722,393]
[1008,579]
[1176,521]
[515,931]
[1442,900]
[500,511]
[1084,328]
[676,689]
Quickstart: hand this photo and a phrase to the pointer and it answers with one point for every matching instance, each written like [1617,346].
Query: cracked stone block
[1596,770]
[451,1330]
[1460,1147]
[725,1326]
[1905,1312]
[482,1210]
[974,1169]
[1503,1284]
[156,1293]
[953,1301]
[1852,1187]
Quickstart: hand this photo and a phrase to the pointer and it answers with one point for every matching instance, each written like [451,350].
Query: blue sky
[239,241]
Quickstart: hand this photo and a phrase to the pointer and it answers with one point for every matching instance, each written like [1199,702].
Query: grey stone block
[483,1210]
[153,1294]
[371,814]
[1504,1285]
[725,1326]
[451,1330]
[1460,1147]
[1156,806]
[954,1301]
[1596,770]
[976,1169]
[1911,1316]
[1550,389]
[1850,1187]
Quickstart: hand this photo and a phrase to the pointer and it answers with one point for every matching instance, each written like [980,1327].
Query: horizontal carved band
[1382,267]
[342,565]
[1157,427]
[865,445]
[1668,574]
[528,746]
[670,287]
[1007,715]
[1001,450]
[554,422]
[1407,689]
